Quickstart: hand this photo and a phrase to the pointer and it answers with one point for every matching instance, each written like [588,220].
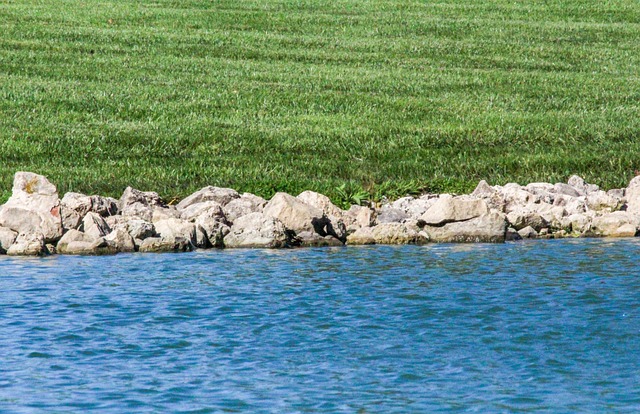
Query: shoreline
[35,221]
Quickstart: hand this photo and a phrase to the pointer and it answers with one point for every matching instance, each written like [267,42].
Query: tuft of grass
[340,97]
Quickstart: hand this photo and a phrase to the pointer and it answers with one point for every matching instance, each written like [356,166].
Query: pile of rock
[35,221]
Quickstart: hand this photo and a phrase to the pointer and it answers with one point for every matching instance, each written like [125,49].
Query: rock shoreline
[36,222]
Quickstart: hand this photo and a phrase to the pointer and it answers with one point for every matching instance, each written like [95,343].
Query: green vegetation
[337,96]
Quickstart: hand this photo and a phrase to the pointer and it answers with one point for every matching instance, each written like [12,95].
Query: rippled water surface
[545,326]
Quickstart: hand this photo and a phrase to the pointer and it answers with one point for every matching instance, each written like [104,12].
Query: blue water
[544,326]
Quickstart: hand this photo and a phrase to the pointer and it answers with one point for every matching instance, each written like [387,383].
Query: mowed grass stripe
[389,96]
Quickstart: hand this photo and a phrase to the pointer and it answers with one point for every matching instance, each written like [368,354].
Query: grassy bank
[386,96]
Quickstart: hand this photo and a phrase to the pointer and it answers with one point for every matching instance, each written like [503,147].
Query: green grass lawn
[261,95]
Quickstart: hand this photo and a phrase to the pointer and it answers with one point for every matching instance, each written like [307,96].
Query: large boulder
[616,224]
[321,202]
[121,240]
[450,209]
[136,227]
[173,229]
[162,245]
[209,208]
[603,201]
[295,214]
[245,204]
[221,196]
[28,244]
[488,228]
[136,203]
[258,230]
[210,232]
[34,207]
[94,225]
[388,233]
[77,242]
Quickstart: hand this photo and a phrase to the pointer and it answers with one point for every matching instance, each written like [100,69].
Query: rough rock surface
[7,238]
[295,214]
[246,204]
[450,209]
[34,207]
[28,244]
[222,196]
[488,228]
[388,233]
[35,221]
[258,230]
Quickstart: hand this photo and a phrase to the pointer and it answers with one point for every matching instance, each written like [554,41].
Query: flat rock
[387,233]
[163,245]
[488,228]
[450,209]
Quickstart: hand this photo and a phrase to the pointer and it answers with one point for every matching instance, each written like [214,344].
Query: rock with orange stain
[34,207]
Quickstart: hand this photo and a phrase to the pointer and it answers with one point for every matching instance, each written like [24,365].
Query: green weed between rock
[342,97]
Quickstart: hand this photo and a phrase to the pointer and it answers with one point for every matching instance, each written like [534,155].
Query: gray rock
[566,189]
[214,231]
[488,228]
[388,214]
[357,217]
[524,217]
[94,225]
[34,207]
[494,199]
[415,207]
[104,206]
[258,230]
[121,240]
[602,201]
[28,244]
[528,233]
[221,196]
[164,213]
[160,245]
[209,208]
[577,224]
[73,236]
[172,229]
[450,209]
[581,186]
[295,214]
[136,203]
[512,235]
[387,233]
[616,224]
[246,204]
[321,202]
[312,239]
[7,238]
